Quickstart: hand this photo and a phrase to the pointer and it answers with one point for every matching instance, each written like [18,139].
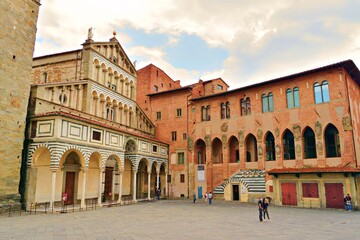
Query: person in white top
[210,196]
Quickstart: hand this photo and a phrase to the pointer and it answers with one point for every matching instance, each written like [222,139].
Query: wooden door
[108,182]
[334,195]
[70,187]
[288,191]
[235,189]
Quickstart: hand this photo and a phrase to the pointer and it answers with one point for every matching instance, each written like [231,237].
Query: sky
[241,41]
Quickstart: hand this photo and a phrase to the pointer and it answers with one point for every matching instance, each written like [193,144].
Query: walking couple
[263,209]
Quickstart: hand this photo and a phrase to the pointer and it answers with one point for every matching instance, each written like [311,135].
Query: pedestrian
[347,202]
[260,209]
[157,192]
[194,197]
[210,196]
[206,197]
[265,205]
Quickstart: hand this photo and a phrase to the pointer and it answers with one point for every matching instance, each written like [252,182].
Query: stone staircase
[254,180]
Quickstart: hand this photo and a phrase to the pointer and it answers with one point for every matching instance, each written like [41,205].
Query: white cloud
[264,40]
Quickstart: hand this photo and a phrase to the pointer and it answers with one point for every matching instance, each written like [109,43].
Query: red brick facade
[232,140]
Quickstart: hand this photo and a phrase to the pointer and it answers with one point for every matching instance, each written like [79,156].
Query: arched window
[332,142]
[292,97]
[208,113]
[203,113]
[267,102]
[112,114]
[223,110]
[245,106]
[296,97]
[107,112]
[270,147]
[288,145]
[309,143]
[227,110]
[321,92]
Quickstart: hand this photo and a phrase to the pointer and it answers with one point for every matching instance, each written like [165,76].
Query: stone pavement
[180,219]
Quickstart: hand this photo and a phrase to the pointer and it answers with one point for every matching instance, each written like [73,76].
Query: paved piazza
[180,219]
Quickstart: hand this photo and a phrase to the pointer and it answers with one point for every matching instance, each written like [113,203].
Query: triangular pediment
[112,51]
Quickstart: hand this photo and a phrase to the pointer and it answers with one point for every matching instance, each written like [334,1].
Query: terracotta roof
[171,91]
[72,116]
[349,65]
[56,54]
[314,170]
[208,81]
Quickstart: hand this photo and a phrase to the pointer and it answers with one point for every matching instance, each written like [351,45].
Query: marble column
[166,185]
[113,187]
[120,188]
[83,193]
[149,183]
[100,187]
[157,180]
[134,186]
[53,186]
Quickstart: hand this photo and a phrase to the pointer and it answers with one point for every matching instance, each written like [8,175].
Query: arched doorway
[251,148]
[142,179]
[71,164]
[111,171]
[200,151]
[270,147]
[309,143]
[217,155]
[92,176]
[153,179]
[332,141]
[127,179]
[41,173]
[234,156]
[288,145]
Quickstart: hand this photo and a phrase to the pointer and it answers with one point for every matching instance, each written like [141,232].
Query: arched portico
[163,180]
[153,178]
[142,179]
[110,178]
[70,164]
[40,176]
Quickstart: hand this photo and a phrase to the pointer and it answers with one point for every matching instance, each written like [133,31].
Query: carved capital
[241,138]
[346,121]
[318,129]
[259,135]
[224,127]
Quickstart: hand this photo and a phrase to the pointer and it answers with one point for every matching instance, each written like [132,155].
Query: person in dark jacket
[260,209]
[347,202]
[265,205]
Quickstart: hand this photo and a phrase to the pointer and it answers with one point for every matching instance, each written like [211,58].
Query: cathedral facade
[88,138]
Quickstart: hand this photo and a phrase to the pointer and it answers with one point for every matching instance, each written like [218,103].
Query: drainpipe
[187,136]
